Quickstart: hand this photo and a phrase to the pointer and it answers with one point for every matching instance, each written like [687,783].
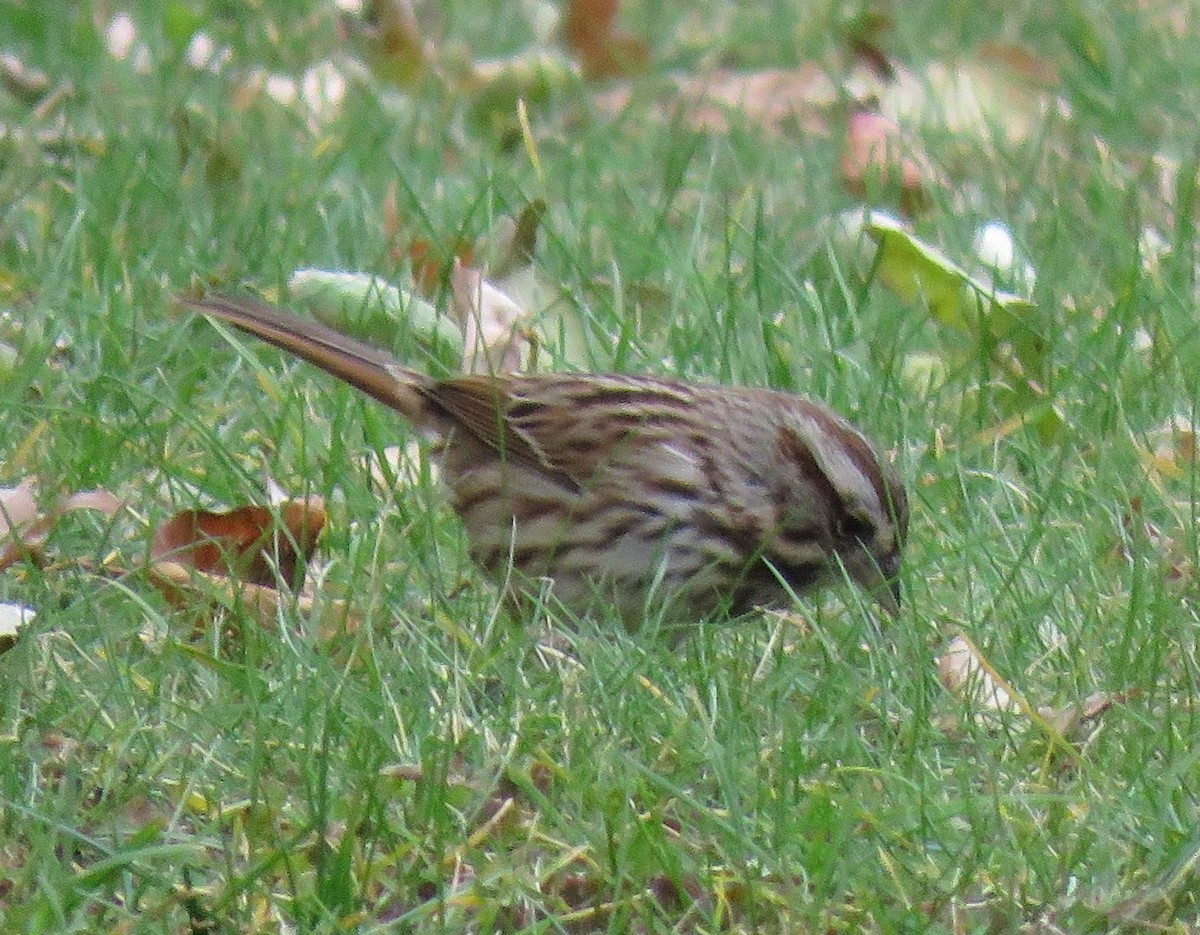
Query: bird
[648,495]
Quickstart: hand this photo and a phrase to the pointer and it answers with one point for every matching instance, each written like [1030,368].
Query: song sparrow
[644,492]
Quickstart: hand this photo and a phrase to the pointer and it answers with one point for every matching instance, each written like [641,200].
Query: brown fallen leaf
[251,543]
[430,263]
[589,28]
[17,506]
[965,672]
[23,532]
[261,602]
[798,101]
[878,152]
[776,98]
[23,529]
[1073,719]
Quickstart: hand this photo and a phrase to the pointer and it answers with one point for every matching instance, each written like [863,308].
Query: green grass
[443,769]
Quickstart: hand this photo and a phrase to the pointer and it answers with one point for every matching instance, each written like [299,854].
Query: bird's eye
[856,527]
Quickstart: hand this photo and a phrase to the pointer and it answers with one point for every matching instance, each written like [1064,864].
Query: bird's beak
[892,597]
[882,582]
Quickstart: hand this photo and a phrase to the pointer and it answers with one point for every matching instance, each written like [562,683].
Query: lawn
[393,750]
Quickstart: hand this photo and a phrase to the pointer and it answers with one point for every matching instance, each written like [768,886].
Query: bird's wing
[483,406]
[566,427]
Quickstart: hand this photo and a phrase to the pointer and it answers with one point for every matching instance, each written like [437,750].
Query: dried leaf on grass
[238,558]
[253,543]
[503,309]
[978,318]
[380,313]
[878,152]
[776,99]
[1073,719]
[182,582]
[495,336]
[392,43]
[969,674]
[23,532]
[24,528]
[918,271]
[1141,536]
[966,672]
[487,330]
[589,28]
[17,506]
[432,265]
[241,553]
[1001,90]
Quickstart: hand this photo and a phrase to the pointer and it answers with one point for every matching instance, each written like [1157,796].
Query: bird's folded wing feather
[481,406]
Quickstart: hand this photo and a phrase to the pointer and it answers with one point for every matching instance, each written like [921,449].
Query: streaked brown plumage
[644,492]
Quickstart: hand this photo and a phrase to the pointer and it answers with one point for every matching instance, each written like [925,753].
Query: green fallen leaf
[915,270]
[383,314]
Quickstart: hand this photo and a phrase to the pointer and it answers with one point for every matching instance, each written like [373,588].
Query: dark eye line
[853,526]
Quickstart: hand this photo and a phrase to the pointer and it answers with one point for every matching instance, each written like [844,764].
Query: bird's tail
[370,369]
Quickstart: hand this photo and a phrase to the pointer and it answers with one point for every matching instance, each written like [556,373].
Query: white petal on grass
[997,250]
[120,36]
[202,53]
[282,89]
[323,88]
[13,617]
[994,245]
